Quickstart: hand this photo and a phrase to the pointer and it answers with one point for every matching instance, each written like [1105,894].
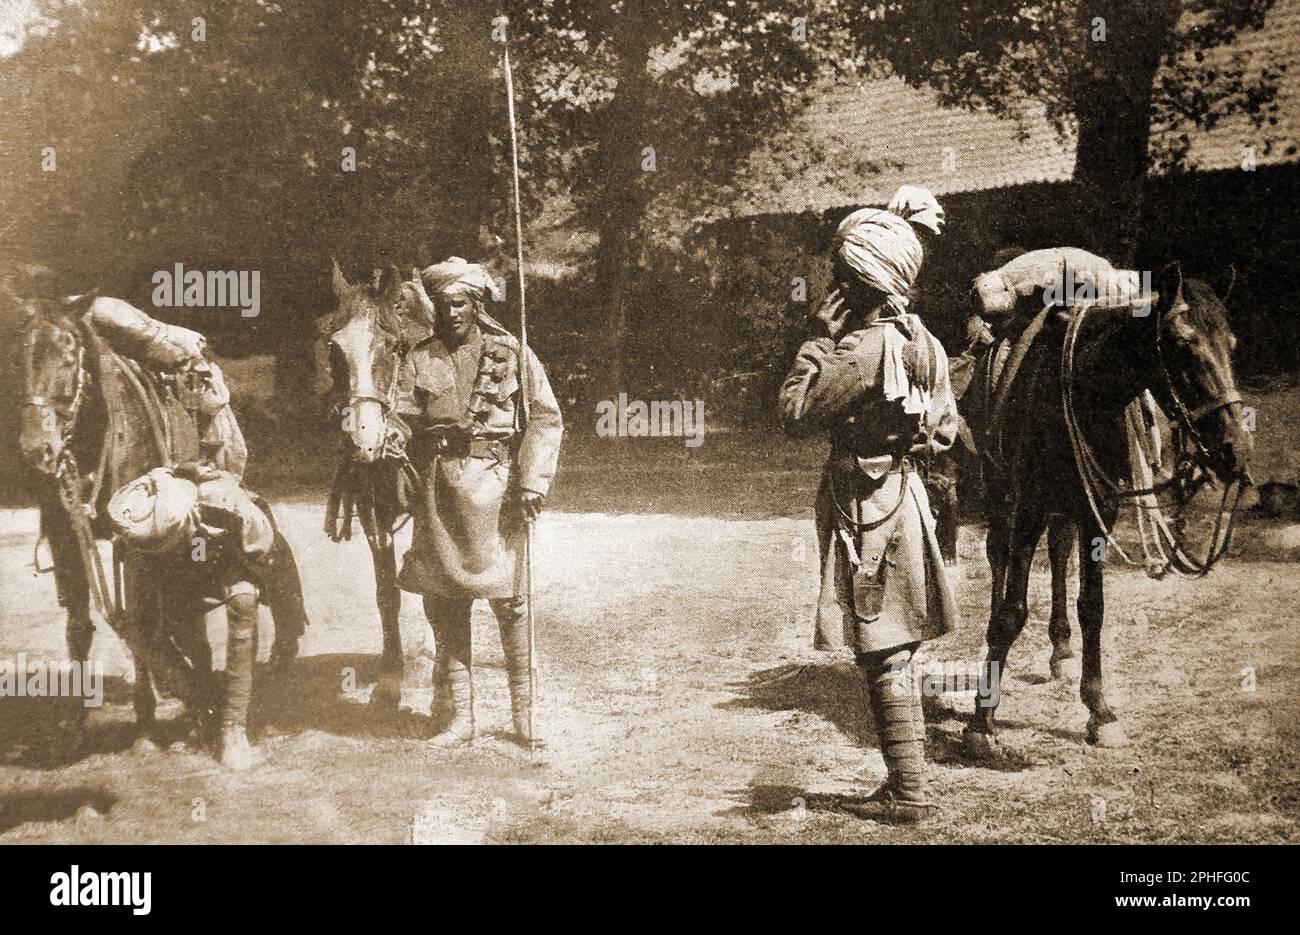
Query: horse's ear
[1224,282]
[491,246]
[1167,283]
[342,291]
[390,284]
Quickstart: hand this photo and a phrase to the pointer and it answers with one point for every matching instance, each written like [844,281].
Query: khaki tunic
[468,539]
[882,575]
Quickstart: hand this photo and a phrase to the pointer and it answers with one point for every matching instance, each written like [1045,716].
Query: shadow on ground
[310,695]
[19,808]
[52,732]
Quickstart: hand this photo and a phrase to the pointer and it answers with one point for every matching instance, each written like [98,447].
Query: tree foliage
[1112,70]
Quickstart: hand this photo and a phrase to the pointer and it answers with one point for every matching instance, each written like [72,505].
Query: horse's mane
[379,303]
[1205,309]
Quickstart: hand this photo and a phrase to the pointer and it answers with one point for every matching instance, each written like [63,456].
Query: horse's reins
[67,474]
[1093,476]
[348,468]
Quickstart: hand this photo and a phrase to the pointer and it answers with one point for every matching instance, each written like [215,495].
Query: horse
[1068,401]
[85,405]
[374,480]
[972,369]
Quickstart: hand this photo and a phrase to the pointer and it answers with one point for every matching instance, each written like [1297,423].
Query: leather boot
[900,725]
[514,643]
[453,671]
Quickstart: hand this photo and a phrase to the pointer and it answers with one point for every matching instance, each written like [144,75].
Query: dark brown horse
[1180,349]
[973,378]
[375,480]
[91,421]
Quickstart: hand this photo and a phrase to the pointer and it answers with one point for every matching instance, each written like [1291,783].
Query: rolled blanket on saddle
[162,513]
[151,342]
[1053,276]
[200,385]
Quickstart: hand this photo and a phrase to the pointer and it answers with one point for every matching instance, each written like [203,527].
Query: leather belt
[448,445]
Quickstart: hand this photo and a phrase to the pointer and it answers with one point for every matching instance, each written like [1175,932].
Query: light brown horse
[375,481]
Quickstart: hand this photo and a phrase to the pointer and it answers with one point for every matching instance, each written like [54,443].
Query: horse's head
[1194,348]
[54,378]
[366,354]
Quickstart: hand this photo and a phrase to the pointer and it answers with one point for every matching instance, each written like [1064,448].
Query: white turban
[457,275]
[917,205]
[883,250]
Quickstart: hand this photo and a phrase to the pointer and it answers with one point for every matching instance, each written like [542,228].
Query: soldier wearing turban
[486,472]
[878,382]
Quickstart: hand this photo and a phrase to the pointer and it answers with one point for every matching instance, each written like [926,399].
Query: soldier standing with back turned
[877,380]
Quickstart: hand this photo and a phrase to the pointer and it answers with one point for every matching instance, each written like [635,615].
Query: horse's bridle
[1188,418]
[388,402]
[70,410]
[1187,476]
[353,490]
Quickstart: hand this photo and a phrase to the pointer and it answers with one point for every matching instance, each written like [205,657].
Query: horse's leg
[1025,529]
[1060,543]
[190,626]
[1103,729]
[388,690]
[282,593]
[71,579]
[73,588]
[995,548]
[141,627]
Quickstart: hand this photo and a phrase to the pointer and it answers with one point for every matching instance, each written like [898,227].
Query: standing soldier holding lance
[486,474]
[878,381]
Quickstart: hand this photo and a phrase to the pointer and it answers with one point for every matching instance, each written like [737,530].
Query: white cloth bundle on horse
[163,511]
[172,349]
[1019,285]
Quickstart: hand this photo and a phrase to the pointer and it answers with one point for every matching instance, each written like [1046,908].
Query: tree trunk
[1114,110]
[622,207]
[467,174]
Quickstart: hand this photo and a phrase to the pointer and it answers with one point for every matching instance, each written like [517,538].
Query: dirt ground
[681,697]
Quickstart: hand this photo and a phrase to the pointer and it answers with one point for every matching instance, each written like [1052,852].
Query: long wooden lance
[524,380]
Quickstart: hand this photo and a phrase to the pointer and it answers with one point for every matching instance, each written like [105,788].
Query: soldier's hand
[530,505]
[978,331]
[832,313]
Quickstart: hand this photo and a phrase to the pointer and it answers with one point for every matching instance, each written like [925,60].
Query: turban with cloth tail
[917,206]
[883,251]
[457,276]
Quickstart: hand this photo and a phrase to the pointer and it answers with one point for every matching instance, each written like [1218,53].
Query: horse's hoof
[88,814]
[143,746]
[981,745]
[1065,670]
[236,752]
[1109,735]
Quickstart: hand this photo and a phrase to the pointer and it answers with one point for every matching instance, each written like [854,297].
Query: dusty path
[682,702]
